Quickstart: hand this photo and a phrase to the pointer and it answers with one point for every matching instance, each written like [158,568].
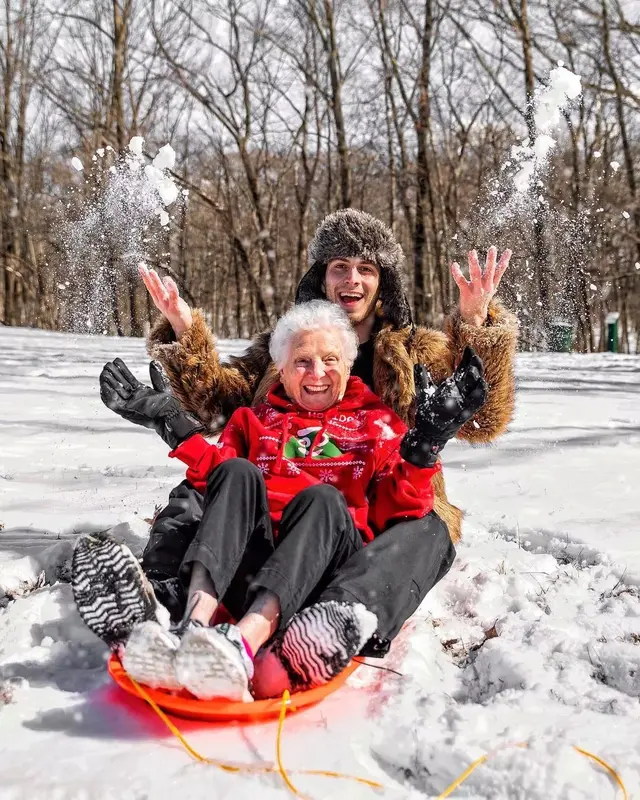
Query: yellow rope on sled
[286,699]
[609,769]
[463,777]
[280,769]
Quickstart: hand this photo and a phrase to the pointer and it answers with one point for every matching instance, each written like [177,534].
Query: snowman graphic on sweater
[306,444]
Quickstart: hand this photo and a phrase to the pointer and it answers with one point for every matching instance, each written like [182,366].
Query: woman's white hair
[316,315]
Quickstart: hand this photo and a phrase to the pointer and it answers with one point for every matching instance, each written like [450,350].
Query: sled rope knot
[280,769]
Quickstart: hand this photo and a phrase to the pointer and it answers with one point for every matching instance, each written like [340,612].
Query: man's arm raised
[483,323]
[183,343]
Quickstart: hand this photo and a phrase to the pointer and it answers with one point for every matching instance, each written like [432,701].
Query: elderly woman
[293,492]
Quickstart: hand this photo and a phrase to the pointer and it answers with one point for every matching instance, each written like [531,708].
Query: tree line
[281,112]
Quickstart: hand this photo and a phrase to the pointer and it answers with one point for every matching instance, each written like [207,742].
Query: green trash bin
[560,337]
[611,321]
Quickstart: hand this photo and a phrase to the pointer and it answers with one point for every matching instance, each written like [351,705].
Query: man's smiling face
[354,285]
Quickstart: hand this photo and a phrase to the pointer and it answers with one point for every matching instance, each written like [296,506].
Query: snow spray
[513,194]
[121,217]
[516,212]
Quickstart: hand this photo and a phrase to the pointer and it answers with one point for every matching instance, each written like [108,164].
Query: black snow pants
[318,554]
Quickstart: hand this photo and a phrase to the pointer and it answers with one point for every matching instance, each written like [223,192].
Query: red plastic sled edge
[183,704]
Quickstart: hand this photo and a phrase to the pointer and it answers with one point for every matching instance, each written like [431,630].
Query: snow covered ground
[533,637]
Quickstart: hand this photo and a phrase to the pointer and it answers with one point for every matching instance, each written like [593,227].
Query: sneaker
[149,656]
[316,645]
[150,652]
[111,592]
[214,662]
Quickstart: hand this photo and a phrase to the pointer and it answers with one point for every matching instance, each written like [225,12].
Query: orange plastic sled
[183,704]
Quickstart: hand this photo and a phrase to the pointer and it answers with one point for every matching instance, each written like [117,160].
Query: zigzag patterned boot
[111,592]
[316,645]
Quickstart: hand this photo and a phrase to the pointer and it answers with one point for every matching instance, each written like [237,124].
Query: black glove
[153,408]
[441,411]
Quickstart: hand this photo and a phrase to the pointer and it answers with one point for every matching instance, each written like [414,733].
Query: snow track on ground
[534,636]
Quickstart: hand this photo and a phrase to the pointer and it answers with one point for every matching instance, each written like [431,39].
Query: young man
[355,262]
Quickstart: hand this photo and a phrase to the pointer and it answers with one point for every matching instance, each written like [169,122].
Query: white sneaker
[213,662]
[149,656]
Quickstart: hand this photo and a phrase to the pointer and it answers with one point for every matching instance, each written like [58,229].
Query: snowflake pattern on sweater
[353,446]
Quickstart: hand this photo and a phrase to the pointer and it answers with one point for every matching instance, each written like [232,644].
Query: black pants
[318,555]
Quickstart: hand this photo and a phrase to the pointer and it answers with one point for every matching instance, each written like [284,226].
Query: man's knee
[427,538]
[437,529]
[238,468]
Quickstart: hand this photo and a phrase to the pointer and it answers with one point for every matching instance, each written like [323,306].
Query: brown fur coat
[212,390]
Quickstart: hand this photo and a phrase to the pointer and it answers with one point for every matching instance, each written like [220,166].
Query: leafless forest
[283,110]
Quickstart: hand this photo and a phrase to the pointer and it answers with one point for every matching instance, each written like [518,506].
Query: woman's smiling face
[315,374]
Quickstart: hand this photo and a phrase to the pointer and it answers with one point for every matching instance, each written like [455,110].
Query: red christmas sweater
[353,446]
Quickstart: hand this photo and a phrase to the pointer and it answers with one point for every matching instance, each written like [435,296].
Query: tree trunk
[422,267]
[541,248]
[622,122]
[335,75]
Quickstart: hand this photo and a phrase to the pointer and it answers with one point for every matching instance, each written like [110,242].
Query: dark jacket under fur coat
[212,390]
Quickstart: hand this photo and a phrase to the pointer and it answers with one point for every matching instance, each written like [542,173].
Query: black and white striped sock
[111,592]
[319,641]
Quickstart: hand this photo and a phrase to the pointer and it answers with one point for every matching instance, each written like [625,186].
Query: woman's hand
[167,300]
[476,293]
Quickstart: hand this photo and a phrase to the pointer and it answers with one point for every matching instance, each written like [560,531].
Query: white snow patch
[615,165]
[77,164]
[549,562]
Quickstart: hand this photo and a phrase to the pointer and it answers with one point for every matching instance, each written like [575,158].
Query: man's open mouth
[349,298]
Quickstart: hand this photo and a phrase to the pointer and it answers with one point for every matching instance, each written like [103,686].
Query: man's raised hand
[166,298]
[476,293]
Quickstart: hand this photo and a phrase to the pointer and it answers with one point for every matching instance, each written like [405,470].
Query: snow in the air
[534,636]
[563,86]
[77,164]
[136,144]
[166,158]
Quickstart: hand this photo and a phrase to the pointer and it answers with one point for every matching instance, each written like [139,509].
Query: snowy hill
[533,637]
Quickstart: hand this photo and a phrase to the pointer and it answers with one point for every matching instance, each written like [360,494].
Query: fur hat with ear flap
[350,233]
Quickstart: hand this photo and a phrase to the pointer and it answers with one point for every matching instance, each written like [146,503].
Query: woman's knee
[238,468]
[322,493]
